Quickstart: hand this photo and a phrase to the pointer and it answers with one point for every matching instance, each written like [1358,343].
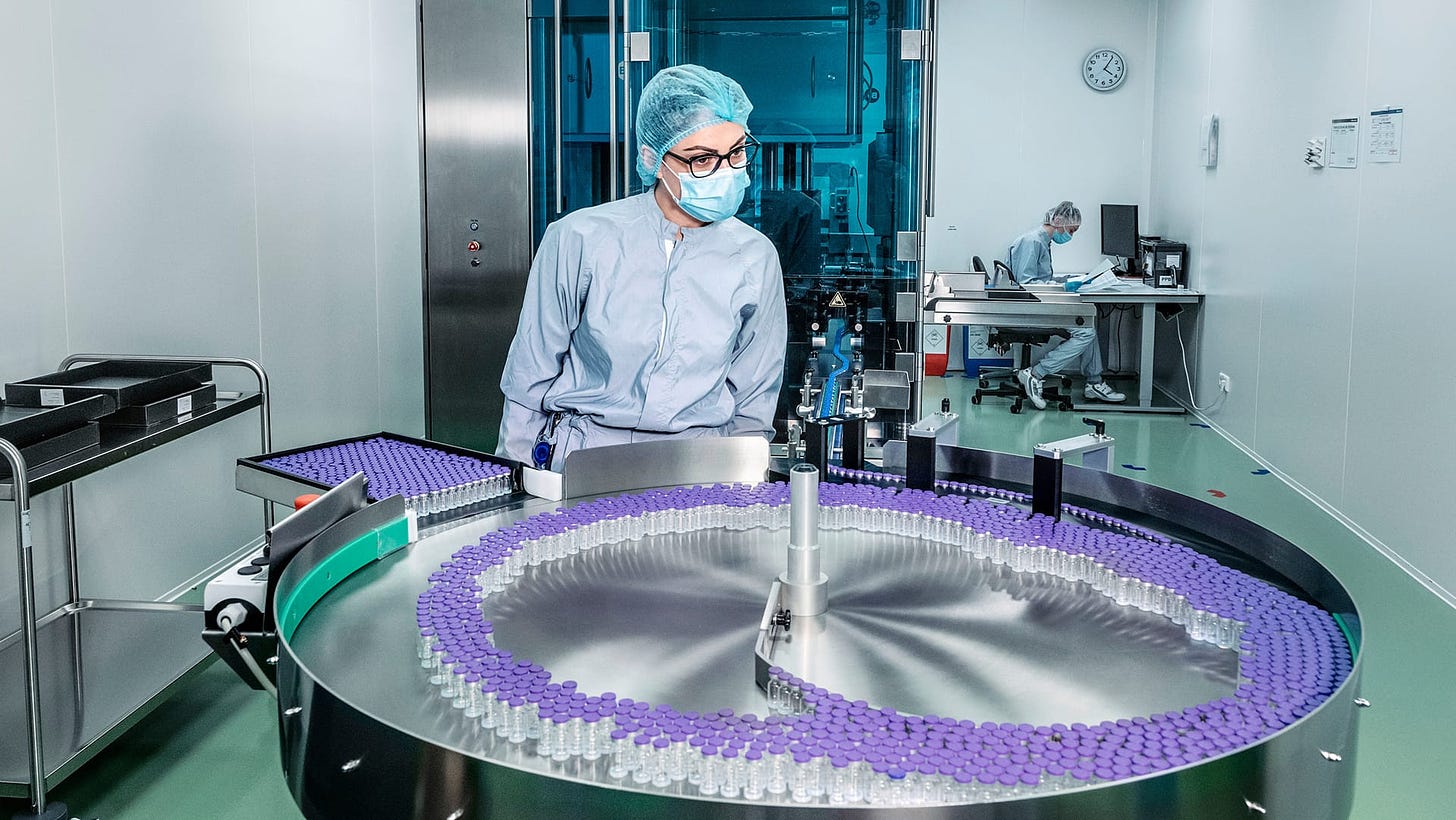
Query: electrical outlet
[1225,384]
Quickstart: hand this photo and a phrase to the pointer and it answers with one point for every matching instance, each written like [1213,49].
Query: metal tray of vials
[435,479]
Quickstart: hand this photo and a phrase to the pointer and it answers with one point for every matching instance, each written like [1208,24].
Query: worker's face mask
[712,198]
[1061,237]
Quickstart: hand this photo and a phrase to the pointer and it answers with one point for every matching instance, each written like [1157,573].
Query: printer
[1164,263]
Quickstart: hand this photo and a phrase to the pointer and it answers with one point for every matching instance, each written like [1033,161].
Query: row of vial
[450,498]
[769,774]
[1201,625]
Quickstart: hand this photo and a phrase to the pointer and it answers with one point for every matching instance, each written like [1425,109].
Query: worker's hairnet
[678,101]
[1064,215]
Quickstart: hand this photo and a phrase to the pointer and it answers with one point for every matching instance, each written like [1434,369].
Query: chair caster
[1066,405]
[976,399]
[984,384]
[1015,408]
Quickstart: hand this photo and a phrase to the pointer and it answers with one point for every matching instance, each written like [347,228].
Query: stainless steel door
[477,159]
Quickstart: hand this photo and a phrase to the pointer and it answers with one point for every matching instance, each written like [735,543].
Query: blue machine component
[829,401]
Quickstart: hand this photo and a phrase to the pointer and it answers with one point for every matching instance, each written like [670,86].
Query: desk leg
[1145,356]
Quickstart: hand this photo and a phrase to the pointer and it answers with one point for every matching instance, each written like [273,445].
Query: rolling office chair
[1002,338]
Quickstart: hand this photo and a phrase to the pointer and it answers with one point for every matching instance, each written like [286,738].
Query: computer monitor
[1120,231]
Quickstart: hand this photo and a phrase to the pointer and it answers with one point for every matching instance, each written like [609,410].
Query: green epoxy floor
[211,751]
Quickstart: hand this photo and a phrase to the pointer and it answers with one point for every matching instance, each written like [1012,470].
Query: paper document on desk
[1100,278]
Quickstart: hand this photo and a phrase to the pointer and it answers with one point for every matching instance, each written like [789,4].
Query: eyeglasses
[707,164]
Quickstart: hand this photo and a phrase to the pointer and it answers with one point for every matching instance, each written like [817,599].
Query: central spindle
[805,590]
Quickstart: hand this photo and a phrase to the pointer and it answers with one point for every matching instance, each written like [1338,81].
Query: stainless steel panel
[665,463]
[639,46]
[907,307]
[887,389]
[907,246]
[477,168]
[270,486]
[103,670]
[1050,312]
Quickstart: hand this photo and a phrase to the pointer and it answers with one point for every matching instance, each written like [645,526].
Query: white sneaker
[1032,385]
[1102,391]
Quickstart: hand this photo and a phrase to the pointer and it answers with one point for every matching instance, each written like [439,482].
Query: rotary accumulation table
[1148,655]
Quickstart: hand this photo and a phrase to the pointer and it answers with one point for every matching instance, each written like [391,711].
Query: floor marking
[1218,493]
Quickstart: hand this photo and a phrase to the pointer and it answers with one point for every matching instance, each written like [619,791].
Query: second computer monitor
[1120,230]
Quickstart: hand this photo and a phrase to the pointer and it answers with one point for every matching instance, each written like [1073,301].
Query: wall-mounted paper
[1385,134]
[1345,142]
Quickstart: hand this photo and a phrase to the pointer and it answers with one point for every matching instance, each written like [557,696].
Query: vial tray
[24,426]
[56,446]
[121,382]
[434,478]
[167,409]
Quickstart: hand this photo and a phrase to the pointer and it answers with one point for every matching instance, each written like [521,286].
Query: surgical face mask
[712,198]
[1061,237]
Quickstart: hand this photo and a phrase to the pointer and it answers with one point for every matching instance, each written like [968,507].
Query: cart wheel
[976,399]
[1066,405]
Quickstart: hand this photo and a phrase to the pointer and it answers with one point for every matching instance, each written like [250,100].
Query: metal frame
[1147,298]
[20,497]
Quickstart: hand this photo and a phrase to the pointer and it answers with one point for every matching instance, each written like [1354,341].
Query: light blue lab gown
[631,343]
[1031,257]
[1031,263]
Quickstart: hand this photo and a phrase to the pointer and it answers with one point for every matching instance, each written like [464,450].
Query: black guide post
[920,462]
[853,457]
[818,437]
[1046,483]
[922,443]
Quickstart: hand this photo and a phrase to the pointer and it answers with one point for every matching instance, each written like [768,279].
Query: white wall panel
[316,216]
[1018,131]
[32,284]
[234,179]
[156,184]
[395,112]
[1177,186]
[32,308]
[1324,295]
[1308,285]
[1400,456]
[156,176]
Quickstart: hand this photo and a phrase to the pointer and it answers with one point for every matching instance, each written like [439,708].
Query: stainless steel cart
[98,682]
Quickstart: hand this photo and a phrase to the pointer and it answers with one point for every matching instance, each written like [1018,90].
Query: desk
[1057,308]
[1147,297]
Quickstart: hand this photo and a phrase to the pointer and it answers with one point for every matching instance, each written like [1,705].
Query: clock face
[1103,70]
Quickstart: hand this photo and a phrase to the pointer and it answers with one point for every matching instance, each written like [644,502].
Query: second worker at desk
[1031,263]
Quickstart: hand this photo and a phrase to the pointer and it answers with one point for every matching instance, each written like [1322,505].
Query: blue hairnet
[680,100]
[1064,215]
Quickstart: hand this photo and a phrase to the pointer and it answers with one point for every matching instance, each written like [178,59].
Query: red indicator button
[473,246]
